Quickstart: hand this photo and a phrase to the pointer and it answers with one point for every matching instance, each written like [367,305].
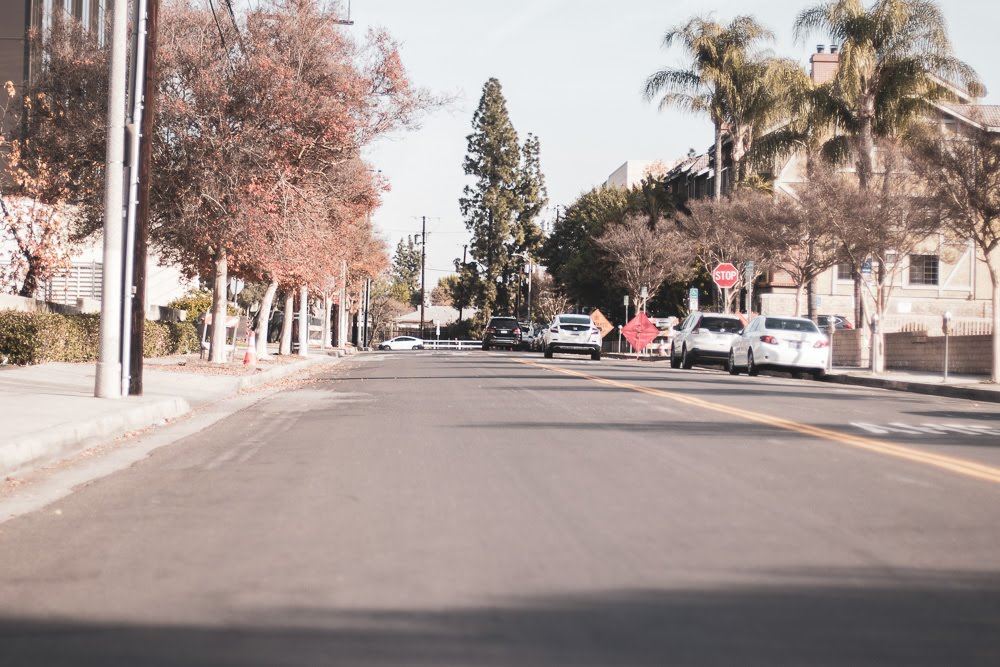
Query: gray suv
[704,337]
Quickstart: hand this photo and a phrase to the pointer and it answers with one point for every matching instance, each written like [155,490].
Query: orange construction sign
[601,322]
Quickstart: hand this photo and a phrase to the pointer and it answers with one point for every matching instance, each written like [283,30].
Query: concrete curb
[632,357]
[61,440]
[944,390]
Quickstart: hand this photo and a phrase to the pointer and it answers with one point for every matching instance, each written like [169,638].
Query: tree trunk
[217,351]
[327,305]
[717,180]
[288,314]
[993,261]
[264,318]
[866,152]
[303,321]
[800,291]
[30,284]
[811,299]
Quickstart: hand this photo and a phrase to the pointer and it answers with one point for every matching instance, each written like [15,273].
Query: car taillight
[770,340]
[822,343]
[848,325]
[554,330]
[490,330]
[517,331]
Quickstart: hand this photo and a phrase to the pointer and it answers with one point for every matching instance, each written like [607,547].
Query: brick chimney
[824,65]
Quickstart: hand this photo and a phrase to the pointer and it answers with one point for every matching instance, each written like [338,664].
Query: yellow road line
[949,463]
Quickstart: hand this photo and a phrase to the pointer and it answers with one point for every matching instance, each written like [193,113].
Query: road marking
[949,463]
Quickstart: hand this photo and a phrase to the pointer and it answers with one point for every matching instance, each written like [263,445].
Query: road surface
[476,508]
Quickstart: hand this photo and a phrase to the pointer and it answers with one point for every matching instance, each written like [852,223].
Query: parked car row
[793,344]
[568,332]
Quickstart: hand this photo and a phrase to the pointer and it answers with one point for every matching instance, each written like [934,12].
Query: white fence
[453,344]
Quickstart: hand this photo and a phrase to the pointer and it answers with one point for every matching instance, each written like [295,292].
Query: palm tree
[895,56]
[716,54]
[758,96]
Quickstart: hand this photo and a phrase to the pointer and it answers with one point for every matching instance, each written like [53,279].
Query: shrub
[36,338]
[196,302]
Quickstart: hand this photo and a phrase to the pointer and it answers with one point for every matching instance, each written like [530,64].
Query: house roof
[986,116]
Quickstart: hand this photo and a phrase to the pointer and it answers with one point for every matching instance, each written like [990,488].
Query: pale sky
[572,72]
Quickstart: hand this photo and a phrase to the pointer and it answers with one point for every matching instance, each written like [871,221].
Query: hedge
[36,338]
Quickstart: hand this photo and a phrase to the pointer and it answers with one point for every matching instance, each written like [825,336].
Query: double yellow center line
[949,463]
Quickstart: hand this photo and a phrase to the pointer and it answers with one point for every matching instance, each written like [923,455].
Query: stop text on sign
[725,275]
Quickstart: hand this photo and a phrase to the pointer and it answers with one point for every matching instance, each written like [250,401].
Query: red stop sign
[725,275]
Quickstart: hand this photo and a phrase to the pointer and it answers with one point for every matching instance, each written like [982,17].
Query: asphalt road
[473,509]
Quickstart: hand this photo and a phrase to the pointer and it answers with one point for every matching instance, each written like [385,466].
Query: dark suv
[502,332]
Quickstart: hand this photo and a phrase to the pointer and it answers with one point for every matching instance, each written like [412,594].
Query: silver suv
[572,333]
[704,337]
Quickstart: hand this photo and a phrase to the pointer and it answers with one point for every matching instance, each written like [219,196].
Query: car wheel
[752,369]
[687,359]
[418,347]
[732,367]
[818,374]
[674,361]
[486,348]
[595,355]
[548,352]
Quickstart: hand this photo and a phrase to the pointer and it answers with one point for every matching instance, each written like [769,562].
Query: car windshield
[504,322]
[721,324]
[783,324]
[574,319]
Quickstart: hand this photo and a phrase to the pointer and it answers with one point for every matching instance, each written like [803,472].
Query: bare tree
[961,177]
[549,301]
[646,254]
[800,232]
[729,230]
[879,225]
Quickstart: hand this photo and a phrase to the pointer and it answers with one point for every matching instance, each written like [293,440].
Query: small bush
[196,302]
[37,338]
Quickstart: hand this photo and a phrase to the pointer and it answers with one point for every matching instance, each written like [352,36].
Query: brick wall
[848,351]
[916,351]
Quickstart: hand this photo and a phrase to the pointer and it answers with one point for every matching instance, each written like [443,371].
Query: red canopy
[640,332]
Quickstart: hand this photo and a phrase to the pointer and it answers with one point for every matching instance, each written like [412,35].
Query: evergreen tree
[491,205]
[406,272]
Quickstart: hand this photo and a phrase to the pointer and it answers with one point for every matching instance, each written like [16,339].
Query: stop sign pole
[725,276]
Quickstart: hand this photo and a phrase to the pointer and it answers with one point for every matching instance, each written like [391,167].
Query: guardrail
[453,344]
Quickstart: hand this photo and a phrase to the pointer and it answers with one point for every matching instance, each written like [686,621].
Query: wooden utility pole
[423,262]
[142,215]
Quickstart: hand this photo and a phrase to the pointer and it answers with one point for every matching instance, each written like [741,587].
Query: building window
[923,269]
[844,272]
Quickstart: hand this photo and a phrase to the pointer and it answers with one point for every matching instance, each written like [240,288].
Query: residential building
[633,172]
[943,275]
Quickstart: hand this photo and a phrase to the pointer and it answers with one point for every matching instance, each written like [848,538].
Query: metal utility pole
[530,271]
[423,272]
[107,383]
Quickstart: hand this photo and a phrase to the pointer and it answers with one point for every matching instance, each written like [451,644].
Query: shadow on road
[831,618]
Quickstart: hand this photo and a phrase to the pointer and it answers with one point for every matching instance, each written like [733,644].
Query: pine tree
[491,205]
[501,207]
[406,272]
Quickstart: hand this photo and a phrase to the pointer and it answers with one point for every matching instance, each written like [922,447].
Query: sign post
[693,299]
[748,273]
[725,276]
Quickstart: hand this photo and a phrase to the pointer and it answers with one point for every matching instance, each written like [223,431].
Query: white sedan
[783,343]
[402,343]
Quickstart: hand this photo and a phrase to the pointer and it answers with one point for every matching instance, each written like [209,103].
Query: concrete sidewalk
[972,387]
[49,411]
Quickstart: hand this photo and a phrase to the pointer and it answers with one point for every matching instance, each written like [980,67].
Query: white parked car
[402,343]
[572,333]
[785,343]
[704,337]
